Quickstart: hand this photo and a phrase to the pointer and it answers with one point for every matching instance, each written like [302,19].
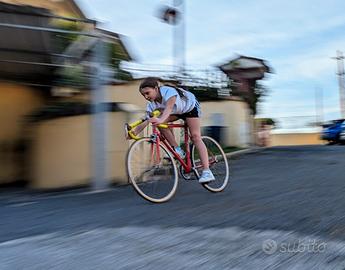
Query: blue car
[331,132]
[342,133]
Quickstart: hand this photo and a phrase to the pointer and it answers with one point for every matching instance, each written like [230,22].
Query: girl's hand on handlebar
[155,121]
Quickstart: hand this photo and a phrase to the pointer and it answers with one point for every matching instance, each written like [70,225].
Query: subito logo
[269,246]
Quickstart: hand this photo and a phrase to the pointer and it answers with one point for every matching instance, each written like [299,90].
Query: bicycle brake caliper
[153,138]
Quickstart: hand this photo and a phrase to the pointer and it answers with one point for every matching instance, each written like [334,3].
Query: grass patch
[229,149]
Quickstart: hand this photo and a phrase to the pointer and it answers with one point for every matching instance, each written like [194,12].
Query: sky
[297,39]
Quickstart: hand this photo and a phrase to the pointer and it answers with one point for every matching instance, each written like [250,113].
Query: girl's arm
[166,113]
[140,127]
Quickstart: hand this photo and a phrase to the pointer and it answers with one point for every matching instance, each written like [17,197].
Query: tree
[258,92]
[252,96]
[266,121]
[117,55]
[74,75]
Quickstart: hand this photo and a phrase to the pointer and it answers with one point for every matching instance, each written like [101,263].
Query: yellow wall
[117,147]
[128,93]
[60,154]
[237,120]
[16,101]
[295,139]
[62,151]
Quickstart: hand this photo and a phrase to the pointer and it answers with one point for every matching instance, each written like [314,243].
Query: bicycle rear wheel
[152,170]
[217,161]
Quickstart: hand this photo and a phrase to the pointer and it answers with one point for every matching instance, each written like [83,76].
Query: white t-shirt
[182,105]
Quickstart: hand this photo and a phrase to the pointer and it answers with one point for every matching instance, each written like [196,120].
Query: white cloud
[312,64]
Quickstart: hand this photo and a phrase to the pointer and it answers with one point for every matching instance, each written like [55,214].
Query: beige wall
[236,120]
[16,101]
[117,147]
[128,93]
[62,151]
[295,139]
[60,154]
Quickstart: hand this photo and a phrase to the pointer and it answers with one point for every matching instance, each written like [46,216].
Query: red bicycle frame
[187,163]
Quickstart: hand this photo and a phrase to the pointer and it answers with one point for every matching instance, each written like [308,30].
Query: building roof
[22,47]
[78,9]
[28,54]
[241,63]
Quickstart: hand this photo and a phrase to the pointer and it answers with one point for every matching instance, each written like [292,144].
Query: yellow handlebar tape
[134,137]
[138,122]
[163,126]
[133,125]
[156,113]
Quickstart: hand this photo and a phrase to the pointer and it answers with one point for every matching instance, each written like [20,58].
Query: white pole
[179,37]
[340,62]
[99,140]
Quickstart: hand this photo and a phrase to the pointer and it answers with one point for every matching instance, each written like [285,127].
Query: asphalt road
[284,209]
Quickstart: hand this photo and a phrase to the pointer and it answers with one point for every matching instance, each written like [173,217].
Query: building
[28,67]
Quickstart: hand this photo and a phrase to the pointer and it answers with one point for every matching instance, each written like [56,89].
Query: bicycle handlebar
[129,127]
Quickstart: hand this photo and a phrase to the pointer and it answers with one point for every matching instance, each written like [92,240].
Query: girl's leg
[194,130]
[168,133]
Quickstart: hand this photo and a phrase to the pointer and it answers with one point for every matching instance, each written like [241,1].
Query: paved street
[284,209]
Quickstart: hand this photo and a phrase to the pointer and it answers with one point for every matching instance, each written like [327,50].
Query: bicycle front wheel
[217,161]
[152,170]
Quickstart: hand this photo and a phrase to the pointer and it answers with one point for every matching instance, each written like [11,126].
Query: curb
[245,151]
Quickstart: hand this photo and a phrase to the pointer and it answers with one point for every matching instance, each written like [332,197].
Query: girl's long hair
[154,82]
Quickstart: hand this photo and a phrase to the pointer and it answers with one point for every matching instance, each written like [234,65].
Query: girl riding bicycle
[175,103]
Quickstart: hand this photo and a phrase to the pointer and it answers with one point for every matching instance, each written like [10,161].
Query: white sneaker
[206,176]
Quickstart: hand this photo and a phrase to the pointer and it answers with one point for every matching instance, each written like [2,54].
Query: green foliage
[203,93]
[255,95]
[63,40]
[74,74]
[117,54]
[259,92]
[266,121]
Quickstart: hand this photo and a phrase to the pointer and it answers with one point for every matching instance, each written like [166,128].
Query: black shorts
[195,113]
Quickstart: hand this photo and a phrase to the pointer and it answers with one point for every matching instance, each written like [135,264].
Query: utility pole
[179,39]
[175,16]
[99,120]
[340,73]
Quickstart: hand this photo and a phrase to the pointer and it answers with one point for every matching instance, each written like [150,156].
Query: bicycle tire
[146,177]
[218,164]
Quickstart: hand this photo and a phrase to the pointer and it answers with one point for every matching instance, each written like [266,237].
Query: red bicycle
[151,163]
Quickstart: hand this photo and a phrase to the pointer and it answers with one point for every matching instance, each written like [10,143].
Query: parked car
[331,131]
[342,133]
